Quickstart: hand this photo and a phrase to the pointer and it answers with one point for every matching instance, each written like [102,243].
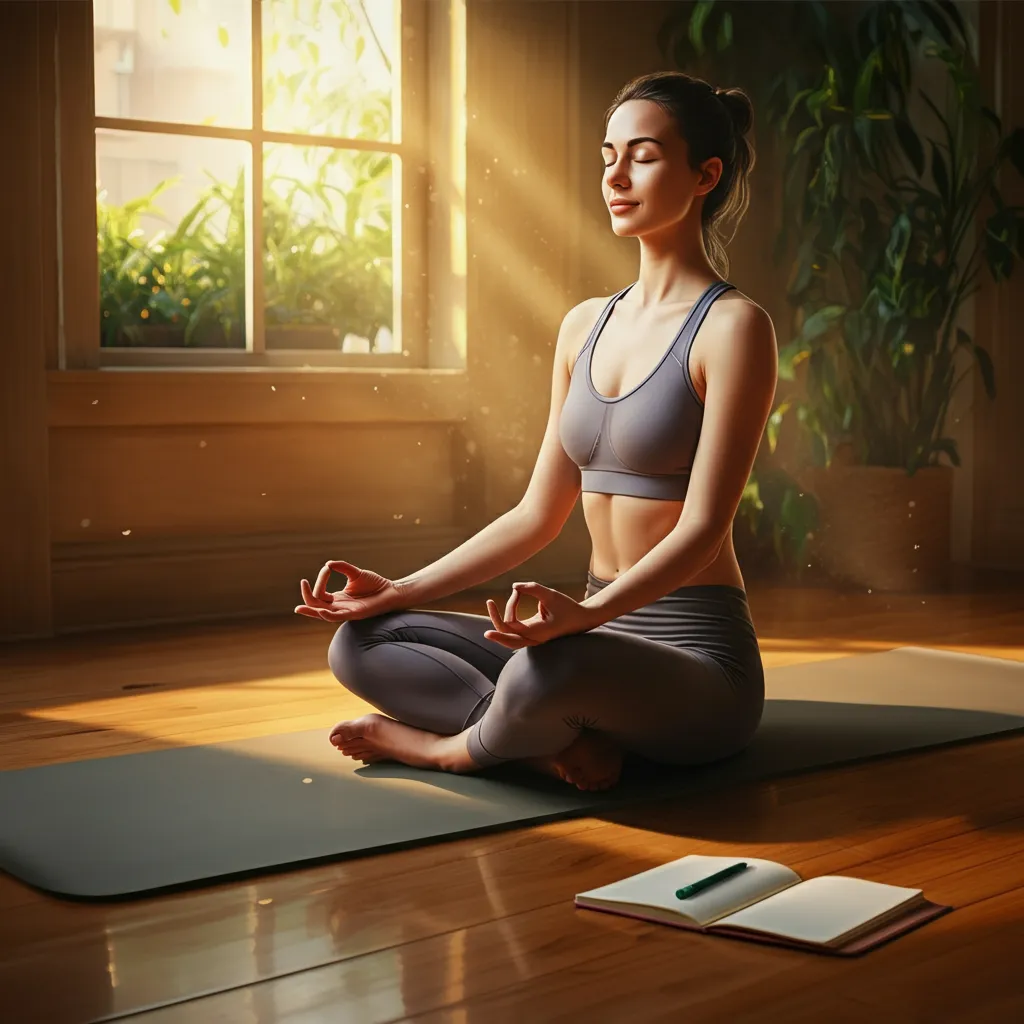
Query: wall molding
[110,585]
[149,398]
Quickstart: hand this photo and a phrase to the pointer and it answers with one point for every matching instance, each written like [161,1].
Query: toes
[363,754]
[353,729]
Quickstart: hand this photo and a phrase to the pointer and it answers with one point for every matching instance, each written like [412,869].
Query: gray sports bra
[641,443]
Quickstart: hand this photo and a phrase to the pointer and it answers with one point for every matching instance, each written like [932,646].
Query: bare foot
[376,738]
[591,762]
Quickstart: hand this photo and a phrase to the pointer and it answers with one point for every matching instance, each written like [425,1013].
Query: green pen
[701,884]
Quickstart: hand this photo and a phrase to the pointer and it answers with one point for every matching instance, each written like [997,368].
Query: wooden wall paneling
[998,507]
[200,481]
[79,277]
[26,112]
[519,201]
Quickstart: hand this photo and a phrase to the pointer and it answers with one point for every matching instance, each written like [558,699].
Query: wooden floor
[483,929]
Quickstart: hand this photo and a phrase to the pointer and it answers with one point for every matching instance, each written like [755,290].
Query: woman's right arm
[538,518]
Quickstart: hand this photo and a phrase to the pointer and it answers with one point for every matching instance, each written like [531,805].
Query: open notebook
[769,902]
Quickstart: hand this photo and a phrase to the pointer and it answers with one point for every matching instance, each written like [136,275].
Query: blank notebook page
[656,887]
[821,909]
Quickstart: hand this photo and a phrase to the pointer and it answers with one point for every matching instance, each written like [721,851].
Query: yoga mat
[140,823]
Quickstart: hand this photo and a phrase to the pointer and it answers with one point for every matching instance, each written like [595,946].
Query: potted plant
[325,278]
[182,288]
[890,211]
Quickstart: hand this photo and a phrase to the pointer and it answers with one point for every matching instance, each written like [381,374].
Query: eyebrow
[633,142]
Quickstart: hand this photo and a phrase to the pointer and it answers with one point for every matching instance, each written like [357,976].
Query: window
[263,182]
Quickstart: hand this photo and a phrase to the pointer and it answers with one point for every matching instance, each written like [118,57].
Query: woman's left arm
[741,371]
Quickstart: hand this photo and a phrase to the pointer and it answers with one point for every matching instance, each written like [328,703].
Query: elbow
[706,535]
[543,528]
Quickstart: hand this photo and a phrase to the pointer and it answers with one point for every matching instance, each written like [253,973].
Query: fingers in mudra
[508,626]
[319,602]
[316,597]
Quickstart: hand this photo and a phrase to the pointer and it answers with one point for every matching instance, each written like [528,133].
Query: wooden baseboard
[190,579]
[181,580]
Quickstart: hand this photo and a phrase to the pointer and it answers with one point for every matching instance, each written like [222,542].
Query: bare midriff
[624,528]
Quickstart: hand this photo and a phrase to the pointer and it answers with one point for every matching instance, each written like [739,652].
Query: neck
[674,266]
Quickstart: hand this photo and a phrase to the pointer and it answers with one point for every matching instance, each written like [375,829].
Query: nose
[615,176]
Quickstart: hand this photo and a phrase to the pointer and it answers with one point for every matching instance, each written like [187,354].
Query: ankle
[452,754]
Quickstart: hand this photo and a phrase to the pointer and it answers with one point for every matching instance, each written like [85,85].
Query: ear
[710,175]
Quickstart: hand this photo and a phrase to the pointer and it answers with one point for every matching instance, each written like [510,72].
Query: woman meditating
[659,398]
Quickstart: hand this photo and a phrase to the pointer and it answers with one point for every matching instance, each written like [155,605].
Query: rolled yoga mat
[138,823]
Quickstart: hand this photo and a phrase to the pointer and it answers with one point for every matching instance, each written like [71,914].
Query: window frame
[78,334]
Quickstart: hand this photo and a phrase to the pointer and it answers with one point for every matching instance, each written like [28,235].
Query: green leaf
[797,99]
[222,35]
[818,99]
[804,138]
[910,144]
[988,373]
[865,78]
[947,445]
[175,5]
[954,16]
[938,23]
[993,118]
[862,128]
[820,321]
[856,328]
[899,241]
[774,424]
[725,32]
[939,171]
[790,356]
[1013,147]
[697,22]
[798,513]
[1000,243]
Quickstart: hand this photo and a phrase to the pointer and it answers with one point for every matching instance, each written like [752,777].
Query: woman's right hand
[366,593]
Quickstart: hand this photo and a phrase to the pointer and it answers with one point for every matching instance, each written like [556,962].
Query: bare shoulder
[738,337]
[577,324]
[737,326]
[735,313]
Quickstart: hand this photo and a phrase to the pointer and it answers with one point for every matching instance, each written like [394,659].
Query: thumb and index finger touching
[317,594]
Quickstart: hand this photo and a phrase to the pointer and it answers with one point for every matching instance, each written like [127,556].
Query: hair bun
[739,108]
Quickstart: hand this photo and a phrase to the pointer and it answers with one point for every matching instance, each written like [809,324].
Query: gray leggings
[679,681]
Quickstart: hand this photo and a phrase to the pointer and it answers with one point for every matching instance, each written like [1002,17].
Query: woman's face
[655,177]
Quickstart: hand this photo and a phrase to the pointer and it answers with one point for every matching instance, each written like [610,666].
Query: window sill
[160,396]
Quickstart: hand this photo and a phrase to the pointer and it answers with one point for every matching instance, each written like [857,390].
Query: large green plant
[891,160]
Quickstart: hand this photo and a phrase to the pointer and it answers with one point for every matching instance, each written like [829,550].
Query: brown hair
[714,122]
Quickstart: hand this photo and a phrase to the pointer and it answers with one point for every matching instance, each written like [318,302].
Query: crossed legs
[458,702]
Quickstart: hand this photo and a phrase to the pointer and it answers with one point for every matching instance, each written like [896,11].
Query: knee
[339,651]
[353,638]
[534,678]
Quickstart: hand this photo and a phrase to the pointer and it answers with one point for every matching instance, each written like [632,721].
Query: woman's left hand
[557,615]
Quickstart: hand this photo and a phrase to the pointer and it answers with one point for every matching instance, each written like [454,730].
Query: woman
[661,658]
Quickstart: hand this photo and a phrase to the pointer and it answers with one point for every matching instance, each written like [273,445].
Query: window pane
[327,67]
[328,280]
[186,61]
[171,233]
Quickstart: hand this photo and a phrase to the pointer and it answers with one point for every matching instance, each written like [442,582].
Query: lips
[620,202]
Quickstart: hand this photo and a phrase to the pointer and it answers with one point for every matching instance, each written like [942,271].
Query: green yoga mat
[142,823]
